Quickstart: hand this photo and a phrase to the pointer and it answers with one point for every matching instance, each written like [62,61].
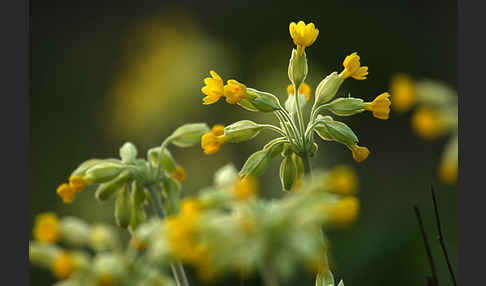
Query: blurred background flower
[127,71]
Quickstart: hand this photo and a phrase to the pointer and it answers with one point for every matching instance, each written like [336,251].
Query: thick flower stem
[307,165]
[176,266]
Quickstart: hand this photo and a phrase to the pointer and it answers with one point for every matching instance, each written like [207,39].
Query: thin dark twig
[427,246]
[441,237]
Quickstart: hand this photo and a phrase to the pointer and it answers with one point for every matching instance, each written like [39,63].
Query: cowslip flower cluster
[296,141]
[91,255]
[435,116]
[222,231]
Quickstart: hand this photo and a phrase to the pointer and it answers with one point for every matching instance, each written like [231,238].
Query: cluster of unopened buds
[435,116]
[227,227]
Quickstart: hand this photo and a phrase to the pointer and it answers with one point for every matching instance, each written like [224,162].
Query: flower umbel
[213,88]
[212,141]
[304,89]
[303,35]
[380,106]
[46,228]
[353,68]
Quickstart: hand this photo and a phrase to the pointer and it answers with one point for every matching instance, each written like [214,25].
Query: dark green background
[76,49]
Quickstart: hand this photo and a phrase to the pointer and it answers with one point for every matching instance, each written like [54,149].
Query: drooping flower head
[304,89]
[427,123]
[303,35]
[66,192]
[403,90]
[380,106]
[359,153]
[214,88]
[353,68]
[213,140]
[46,228]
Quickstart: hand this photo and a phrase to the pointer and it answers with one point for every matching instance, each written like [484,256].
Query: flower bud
[346,106]
[42,254]
[137,199]
[331,130]
[103,172]
[274,147]
[261,101]
[297,67]
[327,88]
[102,237]
[123,208]
[83,167]
[288,173]
[241,131]
[74,231]
[189,134]
[299,164]
[108,268]
[225,175]
[255,164]
[106,190]
[128,152]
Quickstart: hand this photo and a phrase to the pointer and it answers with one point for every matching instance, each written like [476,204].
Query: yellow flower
[448,172]
[403,90]
[63,265]
[179,174]
[234,91]
[67,193]
[304,89]
[343,180]
[137,244]
[303,35]
[427,123]
[359,153]
[213,88]
[353,68]
[182,236]
[213,140]
[77,183]
[380,106]
[245,188]
[46,228]
[345,211]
